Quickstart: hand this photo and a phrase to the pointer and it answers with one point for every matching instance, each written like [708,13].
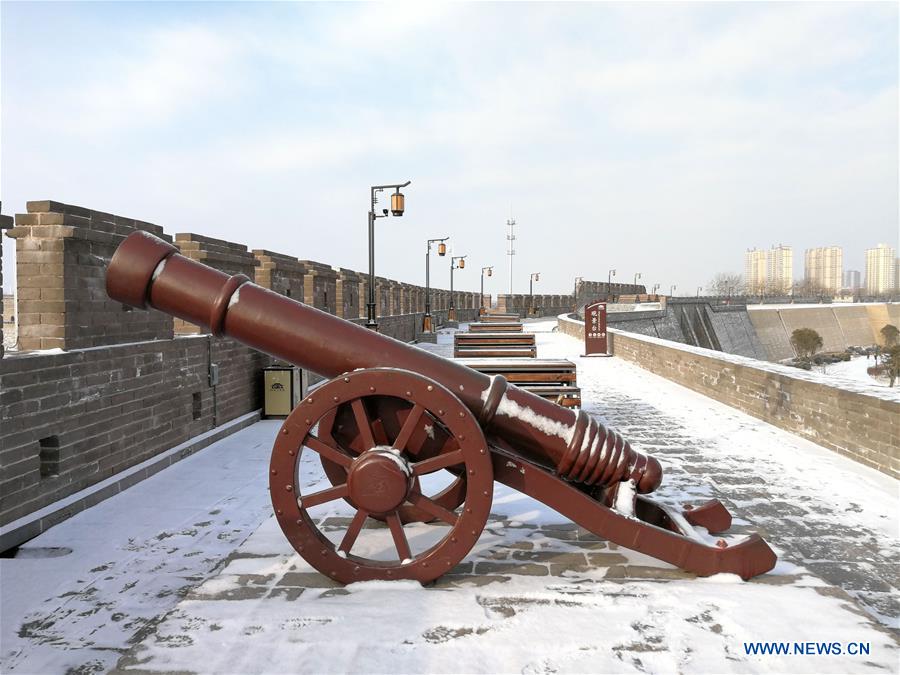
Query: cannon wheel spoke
[430,506]
[409,426]
[400,542]
[353,531]
[329,495]
[362,422]
[441,461]
[327,451]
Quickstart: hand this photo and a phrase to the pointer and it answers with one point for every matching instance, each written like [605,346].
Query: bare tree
[726,284]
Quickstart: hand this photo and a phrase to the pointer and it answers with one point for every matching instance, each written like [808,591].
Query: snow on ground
[854,369]
[188,571]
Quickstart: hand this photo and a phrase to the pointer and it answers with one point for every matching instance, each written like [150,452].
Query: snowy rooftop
[189,572]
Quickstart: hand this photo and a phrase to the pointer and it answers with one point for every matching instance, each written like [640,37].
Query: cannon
[406,437]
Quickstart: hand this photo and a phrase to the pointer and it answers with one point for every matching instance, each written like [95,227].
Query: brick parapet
[320,286]
[280,273]
[348,297]
[62,252]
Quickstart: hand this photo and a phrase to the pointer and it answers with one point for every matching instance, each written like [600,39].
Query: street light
[490,272]
[535,276]
[636,277]
[451,313]
[427,325]
[398,204]
[699,288]
[672,290]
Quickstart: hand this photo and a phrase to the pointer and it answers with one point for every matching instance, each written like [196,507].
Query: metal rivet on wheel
[278,512]
[291,453]
[462,413]
[300,522]
[440,412]
[469,510]
[284,431]
[323,552]
[309,400]
[409,393]
[346,379]
[306,420]
[288,487]
[371,388]
[481,451]
[274,472]
[424,564]
[335,399]
[471,472]
[462,388]
[430,388]
[462,437]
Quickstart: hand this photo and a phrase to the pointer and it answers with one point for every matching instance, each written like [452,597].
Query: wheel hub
[379,480]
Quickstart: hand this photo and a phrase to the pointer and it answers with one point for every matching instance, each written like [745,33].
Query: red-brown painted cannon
[395,419]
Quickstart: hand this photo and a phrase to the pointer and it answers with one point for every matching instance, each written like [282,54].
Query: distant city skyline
[646,137]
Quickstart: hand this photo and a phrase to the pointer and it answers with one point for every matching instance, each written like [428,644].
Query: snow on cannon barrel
[414,441]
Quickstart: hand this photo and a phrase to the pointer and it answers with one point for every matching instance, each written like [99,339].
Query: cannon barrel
[146,272]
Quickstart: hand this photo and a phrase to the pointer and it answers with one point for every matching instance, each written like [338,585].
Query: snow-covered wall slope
[854,418]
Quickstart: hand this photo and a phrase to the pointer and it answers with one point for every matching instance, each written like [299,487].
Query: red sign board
[595,338]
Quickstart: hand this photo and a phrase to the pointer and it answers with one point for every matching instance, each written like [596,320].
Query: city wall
[854,419]
[95,388]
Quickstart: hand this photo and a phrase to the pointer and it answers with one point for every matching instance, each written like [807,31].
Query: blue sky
[655,138]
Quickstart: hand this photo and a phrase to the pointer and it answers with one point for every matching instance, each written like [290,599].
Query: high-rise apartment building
[780,269]
[852,280]
[881,269]
[755,270]
[769,271]
[824,267]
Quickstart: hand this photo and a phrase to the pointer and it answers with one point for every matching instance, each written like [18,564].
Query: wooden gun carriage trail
[395,417]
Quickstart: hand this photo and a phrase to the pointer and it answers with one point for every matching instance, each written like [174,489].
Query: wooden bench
[553,379]
[494,345]
[499,318]
[498,327]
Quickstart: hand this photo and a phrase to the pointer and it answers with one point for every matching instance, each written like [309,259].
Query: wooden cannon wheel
[382,410]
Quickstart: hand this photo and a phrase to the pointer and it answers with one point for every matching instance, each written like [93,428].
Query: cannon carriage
[406,437]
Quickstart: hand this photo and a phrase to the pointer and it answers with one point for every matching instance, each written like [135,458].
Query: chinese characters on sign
[595,340]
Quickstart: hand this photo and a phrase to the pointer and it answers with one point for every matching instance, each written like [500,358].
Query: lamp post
[451,313]
[636,277]
[535,276]
[427,324]
[672,290]
[699,288]
[490,272]
[397,207]
[575,292]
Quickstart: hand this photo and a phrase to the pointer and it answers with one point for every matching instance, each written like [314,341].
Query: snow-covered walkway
[188,571]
